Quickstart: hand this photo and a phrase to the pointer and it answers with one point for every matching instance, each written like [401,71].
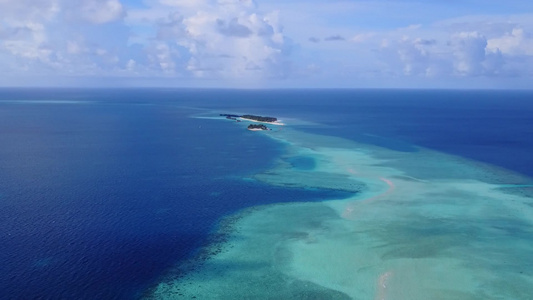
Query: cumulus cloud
[45,37]
[26,40]
[163,56]
[184,3]
[413,57]
[513,42]
[101,11]
[172,27]
[488,51]
[225,39]
[469,52]
[20,11]
[472,57]
[237,40]
[24,32]
[233,28]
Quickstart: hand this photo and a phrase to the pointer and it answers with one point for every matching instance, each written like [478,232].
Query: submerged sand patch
[420,225]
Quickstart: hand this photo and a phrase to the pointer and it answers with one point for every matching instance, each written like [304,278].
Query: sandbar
[420,225]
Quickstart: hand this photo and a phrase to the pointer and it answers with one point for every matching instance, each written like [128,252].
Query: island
[256,127]
[253,118]
[230,117]
[260,118]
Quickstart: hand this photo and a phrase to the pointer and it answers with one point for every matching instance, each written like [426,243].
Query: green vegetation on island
[230,117]
[257,127]
[250,117]
[259,118]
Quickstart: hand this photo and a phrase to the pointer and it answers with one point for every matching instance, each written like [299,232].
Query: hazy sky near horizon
[249,44]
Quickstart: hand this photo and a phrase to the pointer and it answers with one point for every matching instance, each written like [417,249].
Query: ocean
[149,193]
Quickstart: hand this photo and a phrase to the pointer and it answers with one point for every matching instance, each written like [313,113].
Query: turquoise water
[421,224]
[302,162]
[129,194]
[102,192]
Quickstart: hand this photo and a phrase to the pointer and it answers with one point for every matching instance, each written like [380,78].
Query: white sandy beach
[256,129]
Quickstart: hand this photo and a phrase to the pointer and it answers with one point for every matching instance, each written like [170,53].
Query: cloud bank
[243,43]
[228,39]
[460,54]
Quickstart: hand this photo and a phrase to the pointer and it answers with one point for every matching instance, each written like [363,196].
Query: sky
[267,44]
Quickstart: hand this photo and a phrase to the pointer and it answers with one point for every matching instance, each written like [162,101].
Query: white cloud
[516,42]
[408,56]
[130,65]
[16,12]
[74,47]
[237,40]
[27,41]
[101,11]
[225,39]
[172,28]
[442,52]
[196,4]
[162,56]
[46,38]
[469,52]
[24,34]
[362,37]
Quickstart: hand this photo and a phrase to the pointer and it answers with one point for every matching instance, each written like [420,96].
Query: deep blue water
[491,126]
[99,199]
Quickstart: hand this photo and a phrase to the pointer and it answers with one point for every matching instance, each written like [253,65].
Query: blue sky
[267,44]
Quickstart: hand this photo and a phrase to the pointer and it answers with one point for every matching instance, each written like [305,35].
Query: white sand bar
[421,225]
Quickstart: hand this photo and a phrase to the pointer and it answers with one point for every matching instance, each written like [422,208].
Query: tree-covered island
[257,127]
[259,118]
[251,117]
[230,117]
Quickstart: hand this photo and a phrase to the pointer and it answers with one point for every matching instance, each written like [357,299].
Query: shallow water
[100,197]
[115,194]
[420,225]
